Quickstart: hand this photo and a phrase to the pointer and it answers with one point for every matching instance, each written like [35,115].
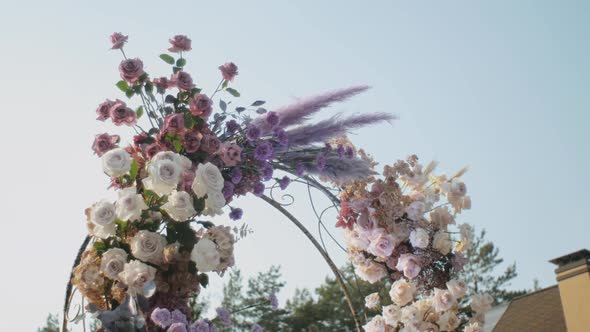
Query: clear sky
[500,86]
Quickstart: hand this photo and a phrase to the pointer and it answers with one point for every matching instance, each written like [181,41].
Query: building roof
[539,311]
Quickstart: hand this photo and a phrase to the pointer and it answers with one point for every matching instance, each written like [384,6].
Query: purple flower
[174,122]
[177,327]
[131,70]
[284,183]
[182,80]
[161,317]
[229,70]
[104,142]
[236,175]
[266,172]
[178,317]
[210,144]
[300,170]
[180,43]
[321,161]
[272,118]
[118,39]
[281,136]
[236,214]
[340,151]
[103,110]
[201,106]
[228,190]
[232,126]
[121,114]
[252,132]
[224,316]
[199,326]
[349,152]
[258,189]
[274,301]
[162,83]
[256,328]
[263,151]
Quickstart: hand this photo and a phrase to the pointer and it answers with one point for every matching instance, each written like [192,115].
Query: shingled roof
[539,311]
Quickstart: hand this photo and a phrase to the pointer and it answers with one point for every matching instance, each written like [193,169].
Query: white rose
[466,234]
[442,242]
[136,275]
[443,300]
[112,262]
[103,232]
[102,213]
[180,206]
[370,271]
[179,159]
[448,321]
[148,246]
[213,203]
[163,176]
[481,303]
[116,162]
[473,327]
[402,292]
[457,287]
[205,255]
[130,205]
[419,238]
[208,179]
[410,315]
[376,324]
[392,314]
[416,210]
[372,300]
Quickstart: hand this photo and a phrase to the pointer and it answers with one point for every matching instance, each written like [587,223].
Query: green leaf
[188,121]
[167,58]
[233,92]
[134,170]
[225,84]
[122,85]
[180,62]
[176,69]
[199,204]
[139,111]
[177,145]
[100,246]
[222,105]
[121,225]
[258,103]
[129,93]
[149,87]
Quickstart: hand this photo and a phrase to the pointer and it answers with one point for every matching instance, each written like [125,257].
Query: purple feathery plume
[300,111]
[335,126]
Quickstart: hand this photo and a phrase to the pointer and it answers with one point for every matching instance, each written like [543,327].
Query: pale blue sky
[500,86]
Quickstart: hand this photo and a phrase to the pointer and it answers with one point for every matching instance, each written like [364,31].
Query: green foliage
[51,324]
[167,58]
[233,92]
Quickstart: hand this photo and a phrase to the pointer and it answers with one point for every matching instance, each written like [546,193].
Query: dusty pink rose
[104,142]
[201,106]
[182,80]
[180,43]
[192,141]
[103,110]
[162,84]
[174,123]
[210,144]
[121,114]
[229,70]
[151,150]
[409,265]
[131,70]
[118,40]
[381,244]
[230,154]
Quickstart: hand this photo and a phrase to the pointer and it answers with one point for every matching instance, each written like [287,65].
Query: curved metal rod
[64,325]
[327,258]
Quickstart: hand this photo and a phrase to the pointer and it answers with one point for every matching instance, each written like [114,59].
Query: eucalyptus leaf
[261,110]
[258,103]
[167,58]
[139,111]
[122,85]
[222,105]
[233,92]
[180,62]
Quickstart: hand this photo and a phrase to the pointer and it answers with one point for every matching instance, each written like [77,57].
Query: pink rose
[121,114]
[192,141]
[118,39]
[104,142]
[180,43]
[186,180]
[162,84]
[381,244]
[151,150]
[131,70]
[103,110]
[229,70]
[201,106]
[174,123]
[210,144]
[182,80]
[230,154]
[409,265]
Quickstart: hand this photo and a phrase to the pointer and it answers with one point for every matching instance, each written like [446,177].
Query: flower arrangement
[190,158]
[398,227]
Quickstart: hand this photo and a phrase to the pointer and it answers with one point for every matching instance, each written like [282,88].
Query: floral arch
[151,249]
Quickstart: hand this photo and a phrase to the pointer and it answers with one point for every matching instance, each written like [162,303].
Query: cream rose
[443,300]
[419,238]
[448,321]
[402,292]
[372,300]
[136,275]
[129,205]
[163,176]
[473,327]
[457,287]
[116,162]
[208,179]
[205,255]
[466,235]
[179,206]
[442,242]
[481,303]
[376,324]
[213,203]
[113,262]
[148,246]
[371,271]
[392,314]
